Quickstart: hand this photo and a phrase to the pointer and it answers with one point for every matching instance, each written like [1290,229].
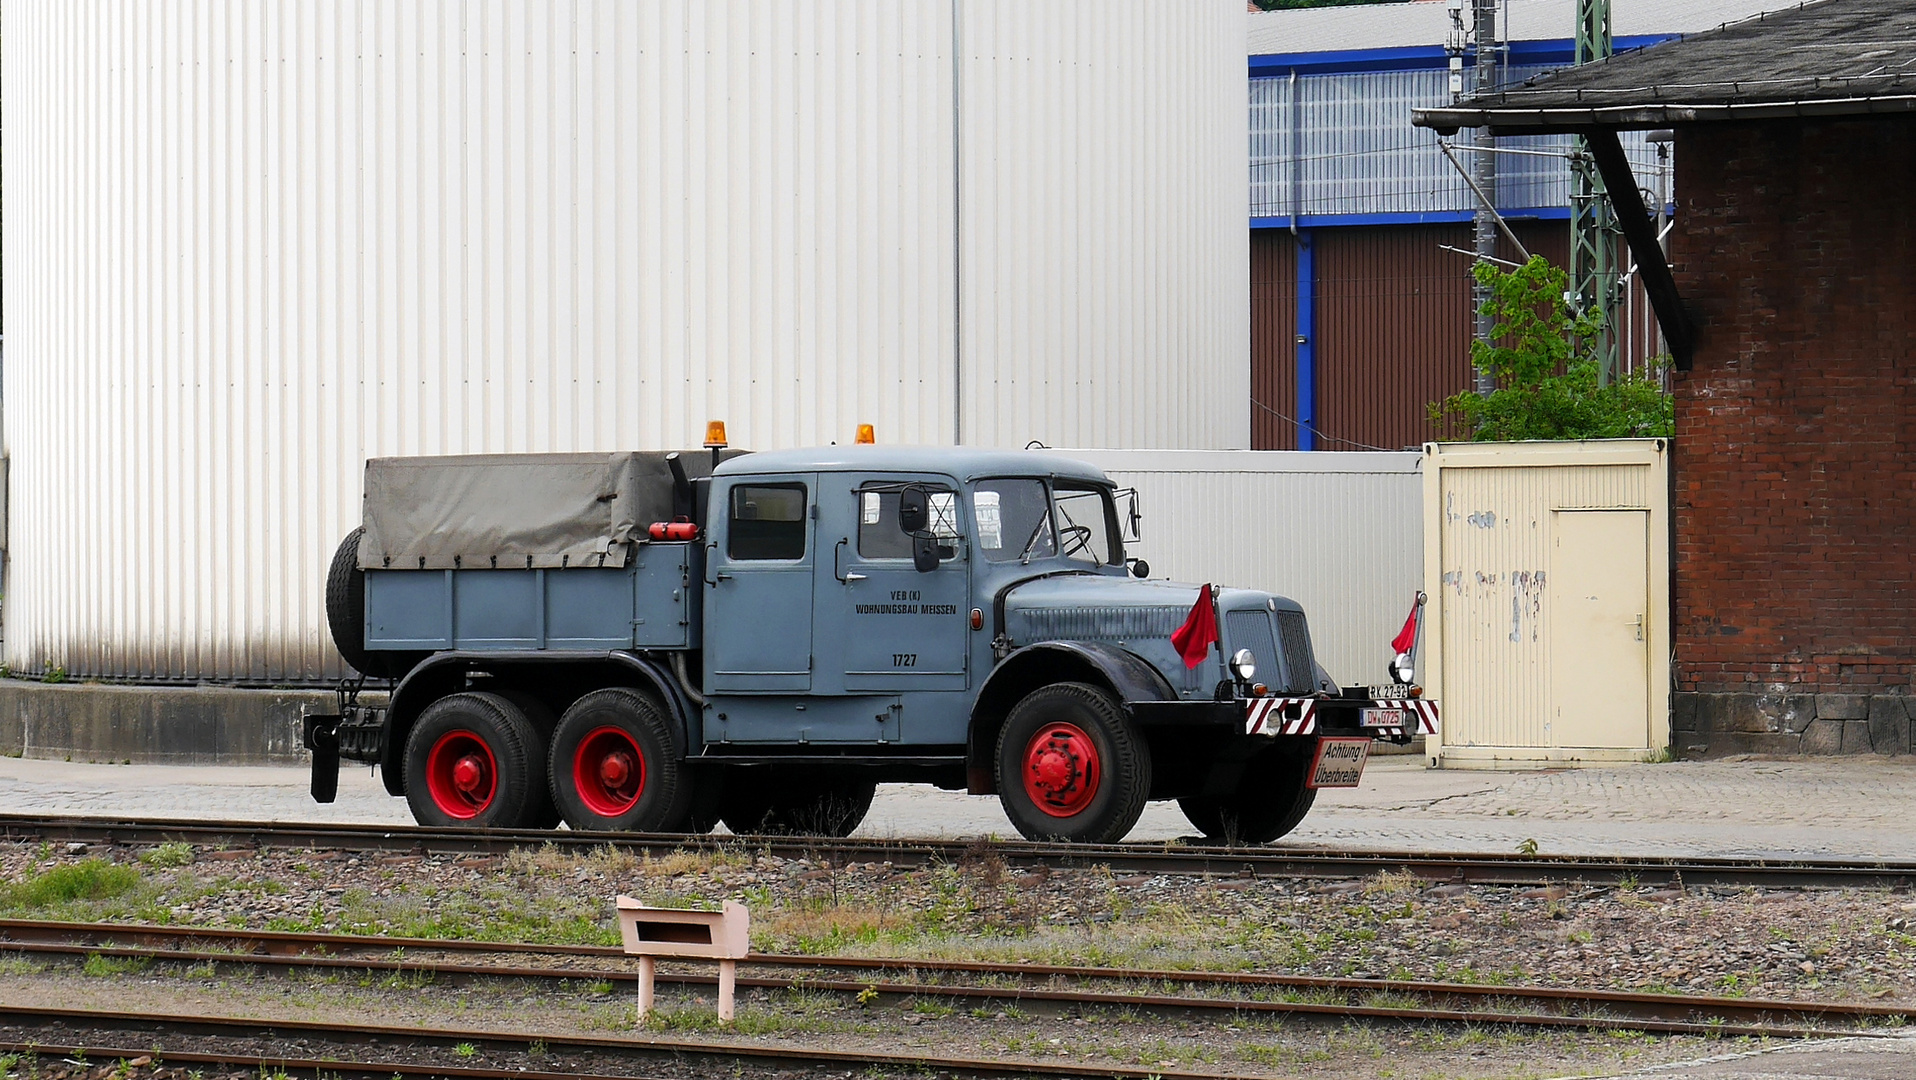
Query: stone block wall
[1715,724]
[1795,455]
[162,725]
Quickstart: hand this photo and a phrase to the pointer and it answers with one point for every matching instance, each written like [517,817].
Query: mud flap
[322,738]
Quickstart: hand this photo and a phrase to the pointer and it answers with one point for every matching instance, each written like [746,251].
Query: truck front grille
[1299,665]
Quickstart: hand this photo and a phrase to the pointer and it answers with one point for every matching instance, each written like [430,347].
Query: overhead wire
[1316,434]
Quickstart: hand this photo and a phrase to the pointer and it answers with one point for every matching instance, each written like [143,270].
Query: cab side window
[878,533]
[767,521]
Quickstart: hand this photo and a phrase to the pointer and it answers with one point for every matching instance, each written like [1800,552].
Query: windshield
[1088,524]
[1014,520]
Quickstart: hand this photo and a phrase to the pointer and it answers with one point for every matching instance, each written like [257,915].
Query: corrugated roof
[1387,26]
[1832,58]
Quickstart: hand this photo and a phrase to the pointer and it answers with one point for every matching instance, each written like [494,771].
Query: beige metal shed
[1548,569]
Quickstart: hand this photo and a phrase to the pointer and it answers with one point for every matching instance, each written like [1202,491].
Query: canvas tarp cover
[513,511]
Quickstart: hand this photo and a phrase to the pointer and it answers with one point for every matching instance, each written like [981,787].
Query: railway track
[898,981]
[333,1049]
[1153,858]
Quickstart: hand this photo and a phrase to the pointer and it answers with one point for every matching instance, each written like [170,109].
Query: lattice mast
[1594,284]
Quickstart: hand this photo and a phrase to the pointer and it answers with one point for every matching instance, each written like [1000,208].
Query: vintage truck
[656,642]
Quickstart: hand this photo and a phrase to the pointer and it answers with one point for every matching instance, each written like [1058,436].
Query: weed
[91,879]
[867,996]
[1385,999]
[107,966]
[1528,846]
[55,674]
[173,854]
[1393,883]
[465,1050]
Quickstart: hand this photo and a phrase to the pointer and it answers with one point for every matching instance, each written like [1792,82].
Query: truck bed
[650,603]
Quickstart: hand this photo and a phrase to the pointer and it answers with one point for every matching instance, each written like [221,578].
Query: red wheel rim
[461,774]
[608,770]
[1061,769]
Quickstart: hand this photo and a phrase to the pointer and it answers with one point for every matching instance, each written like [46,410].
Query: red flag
[1408,635]
[1193,639]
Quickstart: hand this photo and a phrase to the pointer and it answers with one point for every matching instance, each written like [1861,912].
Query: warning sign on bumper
[1339,762]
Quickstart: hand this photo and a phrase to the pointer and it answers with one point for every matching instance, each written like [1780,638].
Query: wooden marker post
[649,933]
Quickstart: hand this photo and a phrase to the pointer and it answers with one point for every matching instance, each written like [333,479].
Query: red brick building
[1790,303]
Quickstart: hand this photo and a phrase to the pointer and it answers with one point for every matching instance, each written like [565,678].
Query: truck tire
[346,616]
[615,766]
[1071,766]
[798,806]
[469,761]
[1271,799]
[540,719]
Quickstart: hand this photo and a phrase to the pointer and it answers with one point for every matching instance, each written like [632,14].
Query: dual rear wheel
[613,764]
[482,760]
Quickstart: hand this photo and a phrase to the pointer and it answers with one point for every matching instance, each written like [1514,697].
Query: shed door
[1599,615]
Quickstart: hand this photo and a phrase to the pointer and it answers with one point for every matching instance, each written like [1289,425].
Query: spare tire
[346,616]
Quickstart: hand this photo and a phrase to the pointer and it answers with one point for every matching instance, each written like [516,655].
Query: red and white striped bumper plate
[1425,711]
[1274,716]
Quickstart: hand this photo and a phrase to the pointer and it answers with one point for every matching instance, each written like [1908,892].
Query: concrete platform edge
[160,725]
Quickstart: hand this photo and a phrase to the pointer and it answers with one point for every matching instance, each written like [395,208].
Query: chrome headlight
[1400,668]
[1243,665]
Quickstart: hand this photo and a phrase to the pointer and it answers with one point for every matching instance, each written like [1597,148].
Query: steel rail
[159,1025]
[324,951]
[1152,858]
[329,1068]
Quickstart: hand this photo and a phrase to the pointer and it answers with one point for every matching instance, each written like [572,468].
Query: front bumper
[1273,716]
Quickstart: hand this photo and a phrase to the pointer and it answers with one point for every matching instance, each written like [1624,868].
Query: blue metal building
[1361,313]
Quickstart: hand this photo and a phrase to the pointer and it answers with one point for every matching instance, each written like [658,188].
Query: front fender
[1129,677]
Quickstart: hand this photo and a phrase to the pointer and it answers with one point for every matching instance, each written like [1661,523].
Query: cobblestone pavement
[1852,807]
[1830,1059]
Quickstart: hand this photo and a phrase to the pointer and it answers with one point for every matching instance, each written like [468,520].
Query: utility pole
[1480,40]
[1593,226]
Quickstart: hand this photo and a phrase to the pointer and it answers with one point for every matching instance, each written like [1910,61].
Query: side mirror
[912,511]
[1133,517]
[924,553]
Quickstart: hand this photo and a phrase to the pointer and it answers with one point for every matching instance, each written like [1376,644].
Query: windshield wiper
[1024,555]
[1080,534]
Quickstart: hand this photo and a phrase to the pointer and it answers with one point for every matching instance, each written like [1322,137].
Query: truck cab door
[759,582]
[883,624]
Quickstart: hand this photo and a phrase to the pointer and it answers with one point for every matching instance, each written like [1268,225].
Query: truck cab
[817,622]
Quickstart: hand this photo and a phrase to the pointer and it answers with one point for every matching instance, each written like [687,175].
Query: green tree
[1547,386]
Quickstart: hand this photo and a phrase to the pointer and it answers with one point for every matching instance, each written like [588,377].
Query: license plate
[1391,718]
[1392,692]
[1339,762]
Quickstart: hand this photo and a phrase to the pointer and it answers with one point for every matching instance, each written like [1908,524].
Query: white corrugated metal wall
[252,242]
[1340,532]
